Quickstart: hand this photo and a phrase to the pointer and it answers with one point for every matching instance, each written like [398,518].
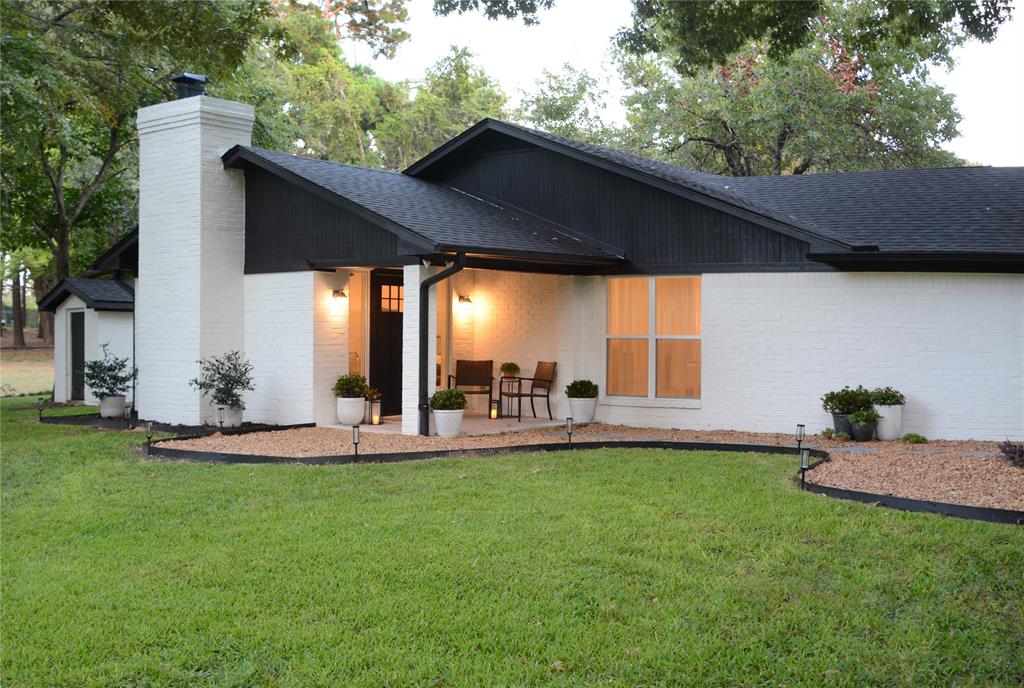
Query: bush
[846,401]
[510,368]
[224,378]
[581,389]
[1014,451]
[914,438]
[842,436]
[887,396]
[373,394]
[827,433]
[109,376]
[351,387]
[868,415]
[448,400]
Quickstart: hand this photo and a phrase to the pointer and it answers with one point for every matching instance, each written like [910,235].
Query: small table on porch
[510,389]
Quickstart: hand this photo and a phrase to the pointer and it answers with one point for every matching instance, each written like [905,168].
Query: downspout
[425,285]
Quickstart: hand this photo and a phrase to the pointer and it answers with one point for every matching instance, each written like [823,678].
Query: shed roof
[98,294]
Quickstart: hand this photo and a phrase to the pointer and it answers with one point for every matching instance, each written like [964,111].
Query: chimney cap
[190,84]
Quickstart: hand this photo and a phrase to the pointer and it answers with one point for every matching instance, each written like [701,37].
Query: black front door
[78,355]
[387,304]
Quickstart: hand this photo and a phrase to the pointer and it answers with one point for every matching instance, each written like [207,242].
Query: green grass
[601,567]
[26,371]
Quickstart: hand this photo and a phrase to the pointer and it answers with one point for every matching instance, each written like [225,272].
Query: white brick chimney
[189,300]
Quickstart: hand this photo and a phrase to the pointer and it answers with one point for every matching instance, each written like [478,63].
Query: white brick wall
[101,327]
[412,276]
[773,343]
[189,298]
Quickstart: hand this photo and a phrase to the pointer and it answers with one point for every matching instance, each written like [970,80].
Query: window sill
[638,402]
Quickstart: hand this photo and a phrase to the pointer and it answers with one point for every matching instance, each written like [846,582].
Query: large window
[653,337]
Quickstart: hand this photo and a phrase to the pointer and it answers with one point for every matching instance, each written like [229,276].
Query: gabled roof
[432,217]
[967,210]
[123,256]
[98,294]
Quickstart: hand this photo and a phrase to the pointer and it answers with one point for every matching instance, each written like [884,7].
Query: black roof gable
[99,294]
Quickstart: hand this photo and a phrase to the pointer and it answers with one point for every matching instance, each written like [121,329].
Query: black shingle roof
[441,217]
[102,295]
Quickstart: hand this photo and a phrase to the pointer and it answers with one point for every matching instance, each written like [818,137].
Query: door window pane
[627,367]
[628,308]
[677,305]
[678,368]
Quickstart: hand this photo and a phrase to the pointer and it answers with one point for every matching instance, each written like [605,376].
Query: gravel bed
[958,472]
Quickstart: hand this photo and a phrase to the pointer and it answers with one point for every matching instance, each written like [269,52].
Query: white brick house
[692,300]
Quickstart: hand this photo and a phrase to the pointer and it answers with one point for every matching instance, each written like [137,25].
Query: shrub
[581,389]
[448,400]
[373,394]
[842,436]
[827,433]
[109,376]
[914,438]
[868,415]
[846,401]
[224,378]
[351,387]
[887,396]
[1014,451]
[510,368]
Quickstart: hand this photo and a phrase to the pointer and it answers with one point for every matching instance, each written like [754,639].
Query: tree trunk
[18,313]
[41,285]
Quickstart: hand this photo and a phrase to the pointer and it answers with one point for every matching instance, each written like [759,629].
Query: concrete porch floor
[471,425]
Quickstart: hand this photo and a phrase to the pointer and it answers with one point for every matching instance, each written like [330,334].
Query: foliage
[373,394]
[842,436]
[448,400]
[914,438]
[510,368]
[1014,451]
[224,378]
[214,575]
[864,416]
[568,103]
[887,396]
[827,433]
[828,108]
[496,9]
[581,389]
[846,401]
[702,34]
[351,387]
[109,376]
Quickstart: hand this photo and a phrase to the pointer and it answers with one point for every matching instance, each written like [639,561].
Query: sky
[988,81]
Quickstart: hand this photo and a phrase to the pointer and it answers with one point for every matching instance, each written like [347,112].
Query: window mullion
[652,338]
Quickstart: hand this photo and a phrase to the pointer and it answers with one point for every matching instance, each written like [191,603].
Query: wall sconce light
[494,409]
[339,294]
[463,298]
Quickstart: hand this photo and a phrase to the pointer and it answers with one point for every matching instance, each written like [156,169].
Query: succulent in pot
[223,379]
[863,423]
[582,396]
[351,391]
[889,403]
[509,369]
[841,403]
[449,406]
[109,378]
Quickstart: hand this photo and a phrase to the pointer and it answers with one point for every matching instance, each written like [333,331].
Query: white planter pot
[582,409]
[448,423]
[232,416]
[351,410]
[890,425]
[112,407]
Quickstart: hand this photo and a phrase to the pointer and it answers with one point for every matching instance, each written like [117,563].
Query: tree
[568,103]
[695,35]
[495,9]
[822,109]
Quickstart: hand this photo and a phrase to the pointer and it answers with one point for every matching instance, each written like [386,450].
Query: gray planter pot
[840,423]
[863,432]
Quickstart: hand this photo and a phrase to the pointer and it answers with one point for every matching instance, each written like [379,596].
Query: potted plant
[509,369]
[889,403]
[582,400]
[842,403]
[351,393]
[109,379]
[223,379]
[448,405]
[863,423]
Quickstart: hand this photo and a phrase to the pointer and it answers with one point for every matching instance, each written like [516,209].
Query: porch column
[413,275]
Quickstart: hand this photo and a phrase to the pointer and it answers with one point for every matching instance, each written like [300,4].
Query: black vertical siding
[286,226]
[653,227]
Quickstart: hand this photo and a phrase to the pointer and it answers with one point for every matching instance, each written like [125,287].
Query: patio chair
[474,374]
[540,386]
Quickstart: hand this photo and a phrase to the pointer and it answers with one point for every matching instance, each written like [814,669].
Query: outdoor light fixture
[127,416]
[339,294]
[355,438]
[149,435]
[40,409]
[805,463]
[375,414]
[568,429]
[799,435]
[463,298]
[494,409]
[220,417]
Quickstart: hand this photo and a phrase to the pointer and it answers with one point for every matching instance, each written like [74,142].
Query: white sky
[988,80]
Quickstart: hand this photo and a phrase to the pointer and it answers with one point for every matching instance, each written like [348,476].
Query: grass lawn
[26,371]
[610,567]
